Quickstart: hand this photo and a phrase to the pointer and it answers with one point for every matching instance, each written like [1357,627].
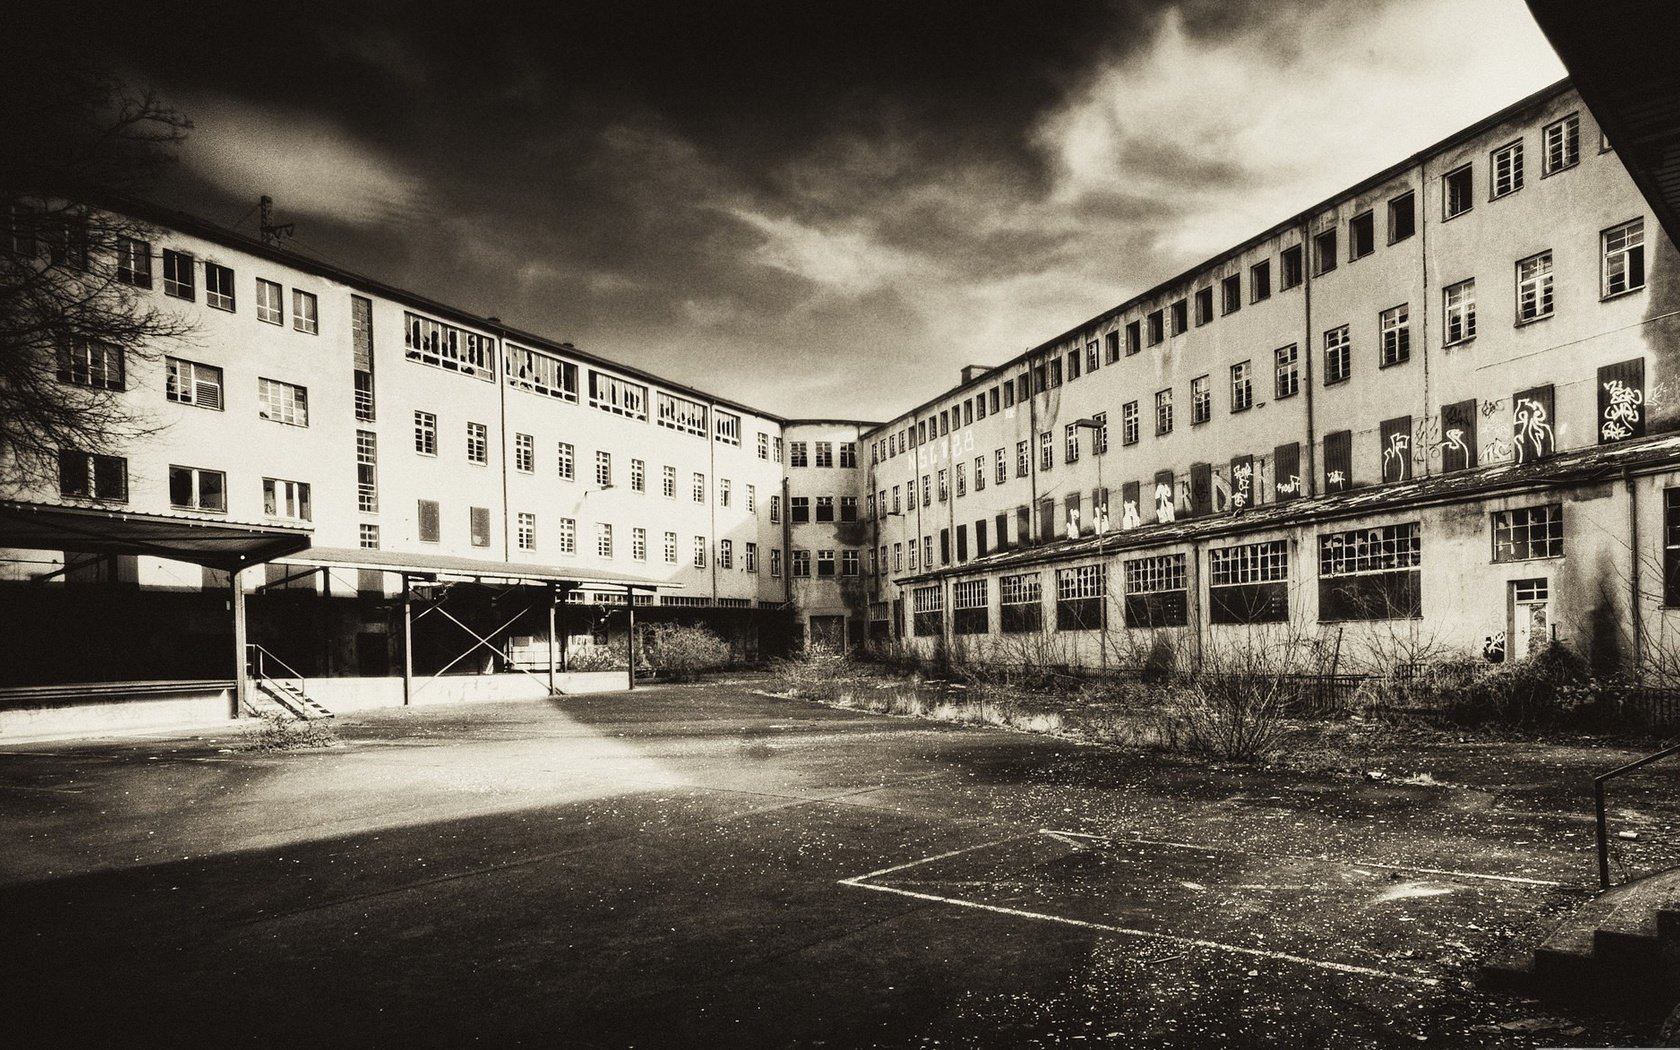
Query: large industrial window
[1021,605]
[1080,593]
[969,614]
[1157,592]
[1371,574]
[446,346]
[1249,583]
[1528,532]
[618,396]
[928,607]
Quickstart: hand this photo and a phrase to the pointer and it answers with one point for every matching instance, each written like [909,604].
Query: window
[638,475]
[1362,235]
[446,346]
[1324,252]
[1288,371]
[1156,591]
[1528,533]
[361,347]
[1338,355]
[1508,169]
[1073,371]
[1134,338]
[825,508]
[1459,312]
[478,525]
[776,448]
[566,535]
[1260,281]
[1021,603]
[1091,365]
[427,519]
[1457,189]
[603,540]
[1163,413]
[668,482]
[979,474]
[90,476]
[724,492]
[618,396]
[540,373]
[66,237]
[526,531]
[1000,472]
[1204,306]
[87,362]
[218,286]
[271,303]
[670,548]
[1534,288]
[697,487]
[848,451]
[193,488]
[1249,583]
[1242,387]
[1022,463]
[1046,451]
[849,564]
[798,455]
[775,562]
[603,469]
[749,557]
[178,277]
[1129,423]
[283,402]
[726,427]
[970,603]
[1201,400]
[1371,573]
[304,315]
[1402,217]
[368,536]
[1180,317]
[928,611]
[1394,326]
[1099,436]
[776,506]
[849,508]
[680,413]
[425,433]
[1290,262]
[825,450]
[1671,547]
[367,471]
[799,563]
[565,461]
[763,446]
[1624,257]
[726,554]
[1070,443]
[1080,593]
[478,443]
[1157,328]
[286,499]
[134,262]
[1563,144]
[799,510]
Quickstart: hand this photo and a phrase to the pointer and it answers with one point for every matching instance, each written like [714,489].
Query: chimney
[971,372]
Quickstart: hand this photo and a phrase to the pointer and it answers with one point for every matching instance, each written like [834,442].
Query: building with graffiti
[1436,412]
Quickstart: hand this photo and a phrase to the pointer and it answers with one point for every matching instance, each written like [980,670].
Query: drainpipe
[1311,479]
[1032,459]
[498,372]
[1423,311]
[1635,616]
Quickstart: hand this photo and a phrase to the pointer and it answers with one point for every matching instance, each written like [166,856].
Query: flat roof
[450,566]
[216,542]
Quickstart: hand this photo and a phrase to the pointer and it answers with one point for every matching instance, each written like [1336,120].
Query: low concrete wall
[99,715]
[361,694]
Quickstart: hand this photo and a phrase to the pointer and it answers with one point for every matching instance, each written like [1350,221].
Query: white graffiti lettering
[1164,501]
[1621,415]
[1531,431]
[1129,517]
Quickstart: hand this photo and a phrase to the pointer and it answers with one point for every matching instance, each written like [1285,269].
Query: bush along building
[1434,413]
[390,499]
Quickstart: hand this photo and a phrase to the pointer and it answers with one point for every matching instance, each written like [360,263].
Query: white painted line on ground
[927,860]
[1067,836]
[1191,942]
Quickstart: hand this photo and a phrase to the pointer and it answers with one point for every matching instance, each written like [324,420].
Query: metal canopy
[1620,54]
[454,567]
[219,544]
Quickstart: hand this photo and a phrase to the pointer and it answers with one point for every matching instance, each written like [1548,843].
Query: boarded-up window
[1286,471]
[1338,461]
[1129,502]
[1242,482]
[1023,525]
[962,542]
[1046,520]
[1397,449]
[1201,489]
[481,526]
[980,539]
[1532,436]
[1003,531]
[944,546]
[1164,496]
[1621,401]
[1458,436]
[1074,514]
[429,520]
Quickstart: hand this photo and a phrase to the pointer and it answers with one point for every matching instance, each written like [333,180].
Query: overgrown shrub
[818,673]
[681,653]
[597,658]
[282,732]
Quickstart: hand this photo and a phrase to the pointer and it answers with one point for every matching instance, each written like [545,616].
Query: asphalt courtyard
[711,866]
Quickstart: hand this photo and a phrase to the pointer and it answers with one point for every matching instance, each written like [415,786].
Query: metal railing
[257,660]
[1598,804]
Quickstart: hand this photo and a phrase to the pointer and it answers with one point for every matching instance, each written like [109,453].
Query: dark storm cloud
[758,190]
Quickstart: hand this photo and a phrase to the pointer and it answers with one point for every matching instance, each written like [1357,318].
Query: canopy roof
[454,567]
[216,542]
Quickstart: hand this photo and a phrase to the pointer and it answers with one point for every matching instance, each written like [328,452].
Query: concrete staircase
[269,696]
[1621,950]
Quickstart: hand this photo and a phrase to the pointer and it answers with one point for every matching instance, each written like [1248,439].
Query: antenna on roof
[271,233]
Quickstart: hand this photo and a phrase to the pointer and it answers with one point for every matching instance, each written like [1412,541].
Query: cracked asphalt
[713,866]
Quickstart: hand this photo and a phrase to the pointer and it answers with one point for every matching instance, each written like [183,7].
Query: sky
[821,209]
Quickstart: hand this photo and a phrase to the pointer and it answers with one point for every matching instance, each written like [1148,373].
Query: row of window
[798,456]
[1560,150]
[848,564]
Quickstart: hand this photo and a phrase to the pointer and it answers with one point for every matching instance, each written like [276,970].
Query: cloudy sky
[817,208]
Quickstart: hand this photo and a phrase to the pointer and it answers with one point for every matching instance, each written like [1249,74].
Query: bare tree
[75,310]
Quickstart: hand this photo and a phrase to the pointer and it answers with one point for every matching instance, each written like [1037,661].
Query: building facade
[1431,413]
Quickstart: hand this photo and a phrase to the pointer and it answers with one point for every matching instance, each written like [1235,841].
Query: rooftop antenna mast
[271,233]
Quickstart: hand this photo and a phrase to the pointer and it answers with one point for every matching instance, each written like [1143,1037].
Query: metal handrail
[1598,802]
[260,653]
